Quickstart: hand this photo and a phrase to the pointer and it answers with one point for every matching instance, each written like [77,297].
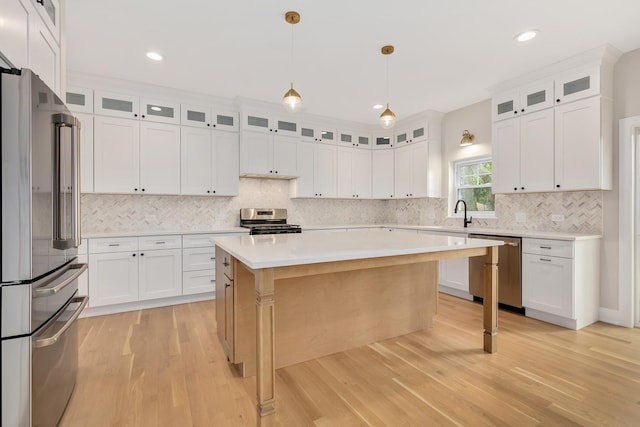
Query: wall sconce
[467,138]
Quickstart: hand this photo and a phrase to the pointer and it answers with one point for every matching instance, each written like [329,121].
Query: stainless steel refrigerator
[40,209]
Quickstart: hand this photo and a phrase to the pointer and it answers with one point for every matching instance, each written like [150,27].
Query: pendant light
[387,118]
[292,99]
[467,138]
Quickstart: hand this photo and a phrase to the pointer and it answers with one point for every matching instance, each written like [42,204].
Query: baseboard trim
[142,305]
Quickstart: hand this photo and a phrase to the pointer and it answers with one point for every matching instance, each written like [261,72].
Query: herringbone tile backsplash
[130,213]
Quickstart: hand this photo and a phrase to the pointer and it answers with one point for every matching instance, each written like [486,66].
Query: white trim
[626,229]
[143,305]
[453,191]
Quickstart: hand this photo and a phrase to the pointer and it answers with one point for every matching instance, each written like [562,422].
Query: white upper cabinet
[577,83]
[79,99]
[49,11]
[523,151]
[268,155]
[527,99]
[159,158]
[583,158]
[382,174]
[226,164]
[345,163]
[383,141]
[317,171]
[160,111]
[314,133]
[362,174]
[225,120]
[193,115]
[44,55]
[116,104]
[415,132]
[261,122]
[411,171]
[134,158]
[354,139]
[14,39]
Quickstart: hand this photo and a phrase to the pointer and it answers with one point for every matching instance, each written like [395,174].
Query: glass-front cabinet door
[49,10]
[79,99]
[505,106]
[536,96]
[192,115]
[383,142]
[160,111]
[577,84]
[116,104]
[225,120]
[327,136]
[363,141]
[257,122]
[308,133]
[419,132]
[286,127]
[346,138]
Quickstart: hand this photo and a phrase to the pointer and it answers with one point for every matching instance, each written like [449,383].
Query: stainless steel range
[267,221]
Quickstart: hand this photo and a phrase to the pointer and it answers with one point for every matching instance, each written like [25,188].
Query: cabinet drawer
[197,240]
[197,282]
[198,259]
[559,248]
[113,244]
[160,242]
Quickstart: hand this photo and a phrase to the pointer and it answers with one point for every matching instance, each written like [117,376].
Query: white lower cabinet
[453,274]
[198,264]
[128,269]
[561,281]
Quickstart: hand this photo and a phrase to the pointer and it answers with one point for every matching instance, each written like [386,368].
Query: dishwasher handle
[512,244]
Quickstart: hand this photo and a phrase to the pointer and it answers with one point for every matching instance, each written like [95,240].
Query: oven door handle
[43,291]
[47,341]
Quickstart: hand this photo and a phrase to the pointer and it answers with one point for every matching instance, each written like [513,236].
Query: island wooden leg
[490,305]
[265,347]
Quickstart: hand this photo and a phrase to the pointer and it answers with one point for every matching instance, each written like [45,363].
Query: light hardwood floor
[165,367]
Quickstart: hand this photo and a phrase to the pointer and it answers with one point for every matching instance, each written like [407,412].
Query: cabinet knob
[143,116]
[142,254]
[135,189]
[270,171]
[214,191]
[557,185]
[143,189]
[134,254]
[214,125]
[316,194]
[208,192]
[515,188]
[135,115]
[515,112]
[522,188]
[522,111]
[320,194]
[208,124]
[227,285]
[558,100]
[391,195]
[276,130]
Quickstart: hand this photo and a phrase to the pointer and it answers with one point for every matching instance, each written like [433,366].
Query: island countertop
[279,250]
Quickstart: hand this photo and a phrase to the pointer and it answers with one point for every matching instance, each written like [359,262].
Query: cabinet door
[505,105]
[547,284]
[536,96]
[419,132]
[303,186]
[86,152]
[44,54]
[308,134]
[196,146]
[327,136]
[454,273]
[159,158]
[257,122]
[49,10]
[325,171]
[79,99]
[14,38]
[401,137]
[577,84]
[285,156]
[113,278]
[225,120]
[198,282]
[403,172]
[193,115]
[255,156]
[506,156]
[382,166]
[160,111]
[536,151]
[363,141]
[116,155]
[578,145]
[383,142]
[362,174]
[226,163]
[286,127]
[346,138]
[345,165]
[419,170]
[160,274]
[116,104]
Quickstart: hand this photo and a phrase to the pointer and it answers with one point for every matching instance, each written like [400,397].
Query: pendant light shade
[387,118]
[292,100]
[467,138]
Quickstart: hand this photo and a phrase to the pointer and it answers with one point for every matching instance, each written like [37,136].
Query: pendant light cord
[387,80]
[292,73]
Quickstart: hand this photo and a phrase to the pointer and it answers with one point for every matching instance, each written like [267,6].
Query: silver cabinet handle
[545,259]
[114,244]
[545,247]
[47,341]
[160,243]
[44,290]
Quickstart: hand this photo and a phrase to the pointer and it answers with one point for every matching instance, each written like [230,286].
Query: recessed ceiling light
[378,106]
[154,55]
[527,35]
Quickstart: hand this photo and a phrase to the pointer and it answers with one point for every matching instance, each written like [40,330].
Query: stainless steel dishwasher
[509,272]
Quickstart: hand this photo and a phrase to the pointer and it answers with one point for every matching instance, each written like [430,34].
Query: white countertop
[225,230]
[295,249]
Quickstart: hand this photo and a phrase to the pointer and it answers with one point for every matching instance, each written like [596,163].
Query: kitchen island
[390,285]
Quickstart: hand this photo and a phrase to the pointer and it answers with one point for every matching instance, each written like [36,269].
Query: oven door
[55,364]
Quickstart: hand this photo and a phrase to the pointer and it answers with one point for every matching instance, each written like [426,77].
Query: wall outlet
[557,217]
[521,217]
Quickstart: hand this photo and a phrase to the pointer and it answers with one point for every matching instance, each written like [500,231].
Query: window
[473,185]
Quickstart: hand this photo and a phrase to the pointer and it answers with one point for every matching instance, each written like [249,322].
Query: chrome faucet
[455,211]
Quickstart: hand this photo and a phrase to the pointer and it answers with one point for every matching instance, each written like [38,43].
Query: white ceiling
[448,52]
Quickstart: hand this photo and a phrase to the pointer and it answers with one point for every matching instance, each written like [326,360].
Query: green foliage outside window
[473,184]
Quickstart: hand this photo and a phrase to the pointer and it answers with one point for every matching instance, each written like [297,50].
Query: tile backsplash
[582,211]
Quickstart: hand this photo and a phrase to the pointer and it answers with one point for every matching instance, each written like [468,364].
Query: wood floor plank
[165,367]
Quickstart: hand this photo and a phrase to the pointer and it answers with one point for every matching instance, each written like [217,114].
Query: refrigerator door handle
[76,270]
[50,340]
[75,177]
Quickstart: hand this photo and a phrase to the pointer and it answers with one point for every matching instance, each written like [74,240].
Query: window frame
[455,187]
